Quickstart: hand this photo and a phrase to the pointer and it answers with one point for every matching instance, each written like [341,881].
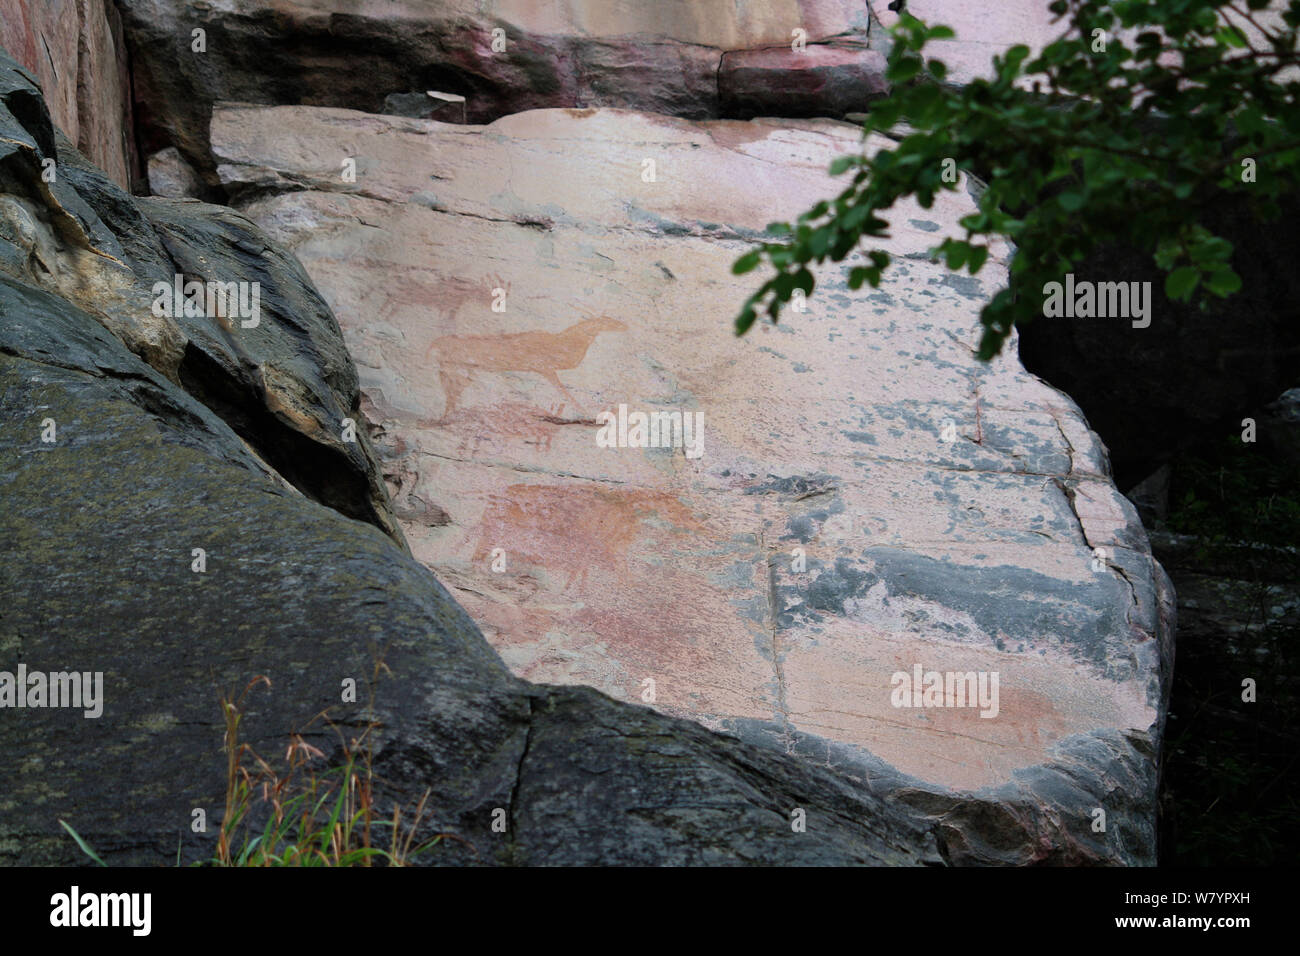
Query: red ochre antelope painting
[462,357]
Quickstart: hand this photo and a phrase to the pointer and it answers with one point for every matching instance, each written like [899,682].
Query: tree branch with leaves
[1092,140]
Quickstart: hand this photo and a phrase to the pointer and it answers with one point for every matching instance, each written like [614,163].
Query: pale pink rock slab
[827,538]
[985,30]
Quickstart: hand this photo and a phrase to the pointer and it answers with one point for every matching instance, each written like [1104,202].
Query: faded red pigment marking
[461,357]
[493,426]
[417,288]
[571,529]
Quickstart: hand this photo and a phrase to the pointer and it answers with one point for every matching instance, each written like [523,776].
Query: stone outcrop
[510,56]
[75,51]
[171,177]
[117,463]
[854,498]
[814,81]
[869,497]
[279,375]
[983,30]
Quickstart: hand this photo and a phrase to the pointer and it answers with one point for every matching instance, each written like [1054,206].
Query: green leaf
[1071,200]
[747,262]
[1232,36]
[85,847]
[746,319]
[1223,283]
[783,286]
[1017,53]
[903,70]
[1180,283]
[978,254]
[953,250]
[818,243]
[841,164]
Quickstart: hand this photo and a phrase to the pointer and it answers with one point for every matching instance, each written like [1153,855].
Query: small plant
[312,818]
[85,847]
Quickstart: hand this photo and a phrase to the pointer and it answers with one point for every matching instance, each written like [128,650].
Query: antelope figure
[460,357]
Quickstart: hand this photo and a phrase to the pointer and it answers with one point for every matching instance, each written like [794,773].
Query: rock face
[859,496]
[514,55]
[823,520]
[982,30]
[75,51]
[122,450]
[277,372]
[814,81]
[171,177]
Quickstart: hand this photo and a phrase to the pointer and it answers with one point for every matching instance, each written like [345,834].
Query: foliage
[308,817]
[311,818]
[1232,493]
[1127,133]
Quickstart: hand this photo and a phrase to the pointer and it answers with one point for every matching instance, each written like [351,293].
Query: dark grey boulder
[284,383]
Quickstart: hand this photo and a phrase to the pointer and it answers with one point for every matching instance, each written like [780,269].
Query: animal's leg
[453,383]
[555,380]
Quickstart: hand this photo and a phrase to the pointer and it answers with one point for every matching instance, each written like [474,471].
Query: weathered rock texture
[663,56]
[75,51]
[171,177]
[983,30]
[828,537]
[813,81]
[286,385]
[116,463]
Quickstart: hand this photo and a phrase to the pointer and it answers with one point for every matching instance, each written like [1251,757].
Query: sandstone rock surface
[814,81]
[506,57]
[983,30]
[75,51]
[869,498]
[113,469]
